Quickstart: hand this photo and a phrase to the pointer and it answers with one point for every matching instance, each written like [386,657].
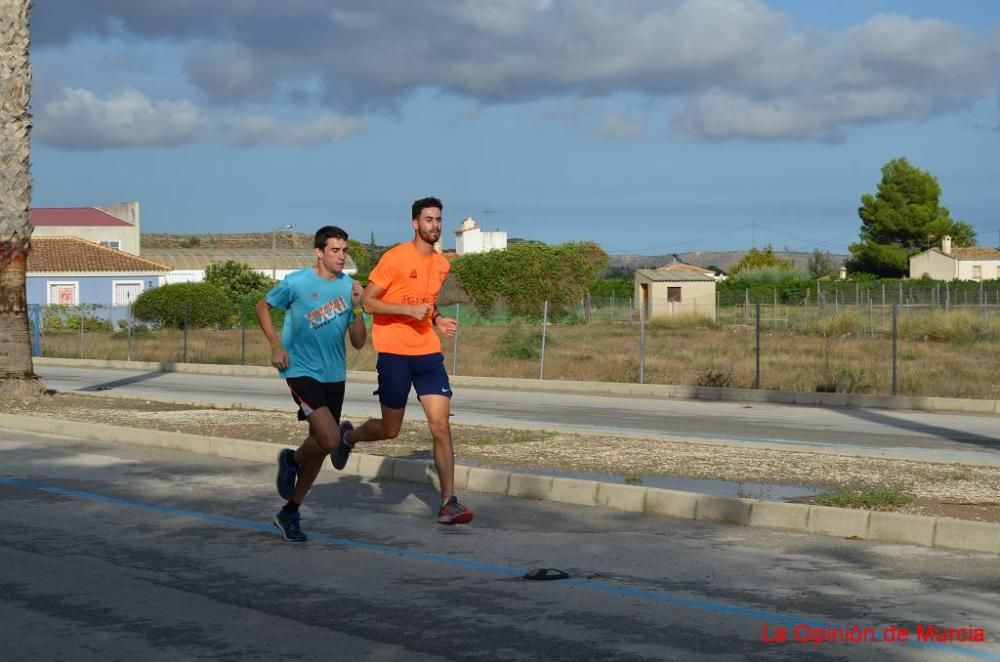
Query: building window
[673,295]
[125,291]
[117,245]
[977,272]
[64,293]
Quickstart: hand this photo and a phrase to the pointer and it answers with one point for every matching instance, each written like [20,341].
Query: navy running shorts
[310,394]
[398,372]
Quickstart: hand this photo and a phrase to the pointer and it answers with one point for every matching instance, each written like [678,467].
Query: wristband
[276,345]
[435,316]
[358,311]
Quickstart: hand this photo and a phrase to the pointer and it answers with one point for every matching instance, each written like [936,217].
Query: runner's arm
[375,306]
[279,357]
[357,329]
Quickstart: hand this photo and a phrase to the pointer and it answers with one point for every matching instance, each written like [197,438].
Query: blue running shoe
[343,451]
[288,471]
[288,524]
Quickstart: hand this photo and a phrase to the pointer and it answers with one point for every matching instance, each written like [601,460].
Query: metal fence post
[454,356]
[243,334]
[82,325]
[128,325]
[36,332]
[642,343]
[895,336]
[184,359]
[545,323]
[756,374]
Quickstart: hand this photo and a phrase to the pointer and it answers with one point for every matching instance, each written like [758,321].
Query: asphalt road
[114,552]
[910,434]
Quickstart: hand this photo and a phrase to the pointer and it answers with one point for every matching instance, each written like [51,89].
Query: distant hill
[709,259]
[245,240]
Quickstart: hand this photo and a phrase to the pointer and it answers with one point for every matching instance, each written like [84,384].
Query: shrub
[944,325]
[518,344]
[71,318]
[843,323]
[207,305]
[716,378]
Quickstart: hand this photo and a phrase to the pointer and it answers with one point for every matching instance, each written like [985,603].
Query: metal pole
[895,335]
[642,343]
[243,335]
[545,323]
[185,358]
[454,356]
[82,324]
[128,324]
[756,376]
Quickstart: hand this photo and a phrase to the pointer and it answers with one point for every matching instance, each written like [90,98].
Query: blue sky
[648,126]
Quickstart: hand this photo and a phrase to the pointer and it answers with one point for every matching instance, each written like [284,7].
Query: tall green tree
[17,378]
[902,219]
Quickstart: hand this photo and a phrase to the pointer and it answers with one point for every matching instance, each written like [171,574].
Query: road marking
[507,571]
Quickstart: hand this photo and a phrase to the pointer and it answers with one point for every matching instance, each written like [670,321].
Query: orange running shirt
[407,277]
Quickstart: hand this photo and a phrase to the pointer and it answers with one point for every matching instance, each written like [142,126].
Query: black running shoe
[454,513]
[288,471]
[288,524]
[340,454]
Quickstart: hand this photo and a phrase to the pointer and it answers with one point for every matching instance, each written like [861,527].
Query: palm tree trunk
[17,378]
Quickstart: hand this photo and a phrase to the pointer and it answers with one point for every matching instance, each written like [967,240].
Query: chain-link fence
[940,347]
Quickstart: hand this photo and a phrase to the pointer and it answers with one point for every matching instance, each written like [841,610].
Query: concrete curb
[907,402]
[940,532]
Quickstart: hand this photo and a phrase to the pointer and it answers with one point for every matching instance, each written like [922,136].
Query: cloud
[715,59]
[263,129]
[82,121]
[621,128]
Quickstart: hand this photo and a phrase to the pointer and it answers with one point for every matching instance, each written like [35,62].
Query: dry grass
[837,356]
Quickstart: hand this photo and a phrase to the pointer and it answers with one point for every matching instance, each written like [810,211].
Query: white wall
[988,269]
[477,241]
[934,264]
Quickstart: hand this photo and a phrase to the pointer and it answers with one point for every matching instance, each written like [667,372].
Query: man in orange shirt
[401,294]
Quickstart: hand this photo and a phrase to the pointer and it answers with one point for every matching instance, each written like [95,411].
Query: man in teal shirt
[322,304]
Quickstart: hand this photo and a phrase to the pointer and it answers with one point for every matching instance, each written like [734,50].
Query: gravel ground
[938,489]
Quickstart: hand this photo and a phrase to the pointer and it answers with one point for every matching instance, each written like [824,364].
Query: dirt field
[938,489]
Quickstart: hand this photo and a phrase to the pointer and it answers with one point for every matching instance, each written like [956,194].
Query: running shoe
[288,524]
[288,471]
[453,512]
[340,454]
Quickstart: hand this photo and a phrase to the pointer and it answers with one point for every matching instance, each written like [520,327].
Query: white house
[469,238]
[948,263]
[111,226]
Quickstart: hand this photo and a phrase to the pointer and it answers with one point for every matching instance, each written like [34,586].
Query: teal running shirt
[317,313]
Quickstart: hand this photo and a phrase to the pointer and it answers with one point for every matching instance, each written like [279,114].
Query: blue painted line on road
[507,571]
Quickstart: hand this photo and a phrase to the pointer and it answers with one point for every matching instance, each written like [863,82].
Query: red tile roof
[75,255]
[976,253]
[74,217]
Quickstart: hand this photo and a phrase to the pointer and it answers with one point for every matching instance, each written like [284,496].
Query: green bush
[207,305]
[71,318]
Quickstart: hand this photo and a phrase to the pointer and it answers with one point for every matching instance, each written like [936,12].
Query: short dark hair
[424,203]
[328,232]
